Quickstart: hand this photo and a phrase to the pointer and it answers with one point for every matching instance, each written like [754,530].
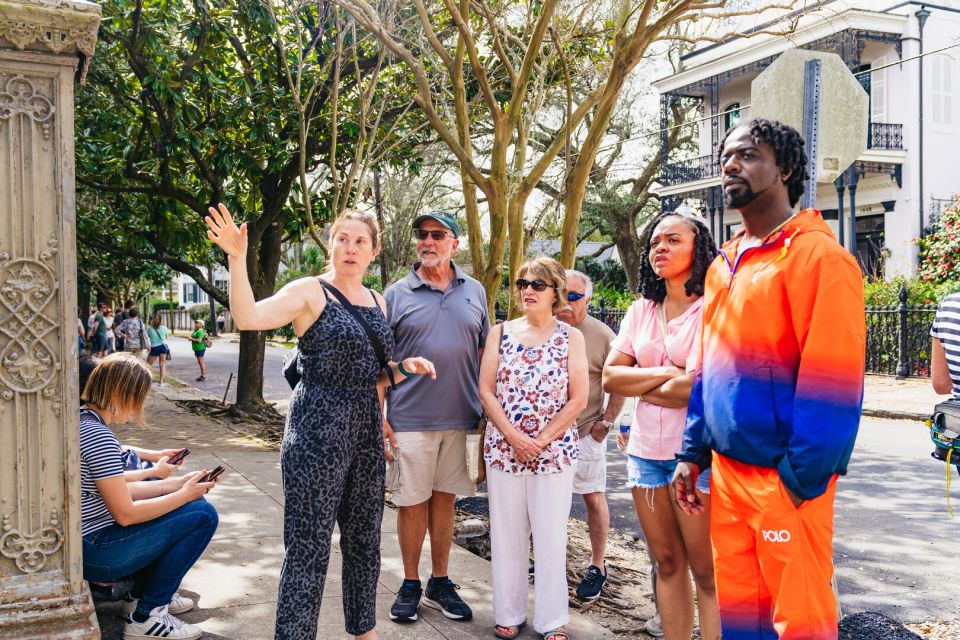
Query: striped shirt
[99,459]
[946,329]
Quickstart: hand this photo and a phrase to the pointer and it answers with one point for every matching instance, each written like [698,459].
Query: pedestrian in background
[122,315]
[98,332]
[221,321]
[593,425]
[159,351]
[134,332]
[199,343]
[109,320]
[775,407]
[533,385]
[332,457]
[653,360]
[439,312]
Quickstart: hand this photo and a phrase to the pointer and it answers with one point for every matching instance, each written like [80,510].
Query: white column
[44,47]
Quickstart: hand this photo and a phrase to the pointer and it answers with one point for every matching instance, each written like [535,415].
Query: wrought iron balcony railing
[689,170]
[884,135]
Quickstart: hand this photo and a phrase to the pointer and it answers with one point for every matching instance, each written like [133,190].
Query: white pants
[521,505]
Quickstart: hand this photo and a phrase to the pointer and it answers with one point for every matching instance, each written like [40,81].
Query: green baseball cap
[442,216]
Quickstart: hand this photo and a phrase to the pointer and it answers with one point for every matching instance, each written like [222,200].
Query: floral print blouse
[532,388]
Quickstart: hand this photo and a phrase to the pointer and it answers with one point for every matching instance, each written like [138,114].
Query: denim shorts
[199,353]
[643,473]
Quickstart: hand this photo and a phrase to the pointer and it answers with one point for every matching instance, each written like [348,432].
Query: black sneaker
[592,583]
[404,608]
[442,595]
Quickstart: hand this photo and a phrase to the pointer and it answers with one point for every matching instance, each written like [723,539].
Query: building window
[731,115]
[878,91]
[191,293]
[941,91]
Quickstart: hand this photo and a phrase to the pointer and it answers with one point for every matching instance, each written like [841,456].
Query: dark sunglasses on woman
[538,284]
[436,234]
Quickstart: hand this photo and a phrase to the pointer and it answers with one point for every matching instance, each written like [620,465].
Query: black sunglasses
[436,234]
[573,296]
[538,284]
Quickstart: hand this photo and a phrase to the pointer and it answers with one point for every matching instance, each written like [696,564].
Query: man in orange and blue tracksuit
[776,401]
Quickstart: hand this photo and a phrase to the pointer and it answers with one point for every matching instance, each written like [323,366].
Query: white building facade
[894,191]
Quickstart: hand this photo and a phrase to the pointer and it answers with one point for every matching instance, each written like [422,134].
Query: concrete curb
[895,415]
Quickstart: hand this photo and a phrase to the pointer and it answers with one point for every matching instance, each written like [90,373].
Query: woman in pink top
[653,360]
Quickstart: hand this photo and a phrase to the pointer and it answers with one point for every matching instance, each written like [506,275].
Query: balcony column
[665,100]
[841,186]
[715,120]
[852,186]
[44,46]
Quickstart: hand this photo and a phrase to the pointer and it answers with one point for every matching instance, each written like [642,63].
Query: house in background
[894,190]
[585,248]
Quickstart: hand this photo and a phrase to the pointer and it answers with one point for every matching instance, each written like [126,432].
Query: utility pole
[922,16]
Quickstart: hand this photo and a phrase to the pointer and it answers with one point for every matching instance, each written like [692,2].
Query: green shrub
[919,292]
[613,297]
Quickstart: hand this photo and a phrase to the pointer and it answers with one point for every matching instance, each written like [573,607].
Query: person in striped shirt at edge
[777,396]
[153,531]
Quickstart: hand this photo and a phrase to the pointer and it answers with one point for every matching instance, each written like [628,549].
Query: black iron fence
[611,317]
[898,336]
[898,339]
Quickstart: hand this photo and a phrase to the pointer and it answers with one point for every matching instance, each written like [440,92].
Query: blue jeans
[157,553]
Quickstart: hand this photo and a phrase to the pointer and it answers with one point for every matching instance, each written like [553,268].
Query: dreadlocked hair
[787,145]
[654,288]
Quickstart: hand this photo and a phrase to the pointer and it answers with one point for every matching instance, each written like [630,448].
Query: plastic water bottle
[626,418]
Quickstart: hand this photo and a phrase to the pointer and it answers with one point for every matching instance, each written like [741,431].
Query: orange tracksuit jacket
[777,398]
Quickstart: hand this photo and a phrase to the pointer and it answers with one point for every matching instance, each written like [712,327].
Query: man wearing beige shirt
[593,425]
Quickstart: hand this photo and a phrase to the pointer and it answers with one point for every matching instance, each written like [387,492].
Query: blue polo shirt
[447,328]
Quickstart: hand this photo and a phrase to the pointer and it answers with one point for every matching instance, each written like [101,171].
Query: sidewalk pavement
[910,399]
[235,581]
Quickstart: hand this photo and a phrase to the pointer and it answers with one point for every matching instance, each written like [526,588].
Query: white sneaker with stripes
[178,604]
[160,624]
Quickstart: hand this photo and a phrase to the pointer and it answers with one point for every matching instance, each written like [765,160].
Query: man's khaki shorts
[432,461]
[591,475]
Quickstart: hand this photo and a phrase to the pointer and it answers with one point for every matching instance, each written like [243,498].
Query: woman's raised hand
[224,232]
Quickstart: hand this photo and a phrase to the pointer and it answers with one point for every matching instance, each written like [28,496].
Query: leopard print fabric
[333,471]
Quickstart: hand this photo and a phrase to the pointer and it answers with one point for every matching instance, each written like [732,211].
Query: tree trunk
[628,246]
[262,268]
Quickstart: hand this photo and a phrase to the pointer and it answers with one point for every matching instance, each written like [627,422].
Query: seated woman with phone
[138,463]
[152,531]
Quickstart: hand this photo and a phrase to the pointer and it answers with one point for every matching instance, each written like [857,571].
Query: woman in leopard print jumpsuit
[332,456]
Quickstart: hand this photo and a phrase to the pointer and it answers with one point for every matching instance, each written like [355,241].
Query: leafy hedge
[919,292]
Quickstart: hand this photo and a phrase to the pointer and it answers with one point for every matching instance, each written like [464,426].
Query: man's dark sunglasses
[436,234]
[538,284]
[573,296]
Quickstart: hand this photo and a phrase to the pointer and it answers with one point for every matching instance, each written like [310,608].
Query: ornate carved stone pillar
[44,46]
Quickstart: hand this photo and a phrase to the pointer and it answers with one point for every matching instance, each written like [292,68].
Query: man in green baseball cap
[442,216]
[438,308]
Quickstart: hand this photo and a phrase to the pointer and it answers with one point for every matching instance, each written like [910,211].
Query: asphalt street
[895,545]
[221,361]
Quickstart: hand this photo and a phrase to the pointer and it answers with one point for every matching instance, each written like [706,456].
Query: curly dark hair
[652,287]
[788,148]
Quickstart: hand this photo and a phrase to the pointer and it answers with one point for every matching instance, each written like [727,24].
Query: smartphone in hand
[179,456]
[213,475]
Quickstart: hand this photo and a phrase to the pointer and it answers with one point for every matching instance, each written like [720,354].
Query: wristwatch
[606,423]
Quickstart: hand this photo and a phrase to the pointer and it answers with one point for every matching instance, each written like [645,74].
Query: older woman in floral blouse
[533,384]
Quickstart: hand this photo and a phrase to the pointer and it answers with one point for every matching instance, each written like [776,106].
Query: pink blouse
[657,432]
